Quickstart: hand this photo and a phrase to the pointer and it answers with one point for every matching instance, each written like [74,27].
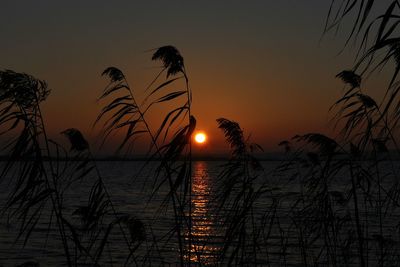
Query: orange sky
[260,64]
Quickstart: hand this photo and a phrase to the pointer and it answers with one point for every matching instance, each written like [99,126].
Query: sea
[137,192]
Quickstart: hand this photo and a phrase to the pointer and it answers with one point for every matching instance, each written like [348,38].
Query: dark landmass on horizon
[273,156]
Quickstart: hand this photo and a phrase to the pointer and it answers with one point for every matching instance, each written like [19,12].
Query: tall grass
[333,201]
[42,173]
[170,144]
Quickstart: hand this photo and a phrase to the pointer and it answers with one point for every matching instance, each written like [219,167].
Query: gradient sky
[260,63]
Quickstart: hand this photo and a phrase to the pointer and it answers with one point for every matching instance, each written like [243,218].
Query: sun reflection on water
[204,246]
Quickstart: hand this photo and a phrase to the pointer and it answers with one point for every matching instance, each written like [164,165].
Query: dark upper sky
[257,62]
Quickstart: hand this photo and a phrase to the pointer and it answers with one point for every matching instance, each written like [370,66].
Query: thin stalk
[189,101]
[167,169]
[379,207]
[56,203]
[356,214]
[111,204]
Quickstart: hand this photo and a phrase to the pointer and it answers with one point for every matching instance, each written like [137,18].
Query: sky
[260,63]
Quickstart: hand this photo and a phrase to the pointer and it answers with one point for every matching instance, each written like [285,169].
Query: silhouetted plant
[35,186]
[335,203]
[175,154]
[236,195]
[41,177]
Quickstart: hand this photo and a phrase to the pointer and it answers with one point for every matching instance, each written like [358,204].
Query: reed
[174,155]
[333,201]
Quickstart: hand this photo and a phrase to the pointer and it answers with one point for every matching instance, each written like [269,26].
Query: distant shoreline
[271,157]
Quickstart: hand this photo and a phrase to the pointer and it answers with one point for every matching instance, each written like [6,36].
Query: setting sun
[200,138]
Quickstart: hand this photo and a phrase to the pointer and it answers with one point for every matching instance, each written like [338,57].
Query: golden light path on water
[203,246]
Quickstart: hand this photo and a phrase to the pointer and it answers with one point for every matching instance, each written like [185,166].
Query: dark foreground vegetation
[337,203]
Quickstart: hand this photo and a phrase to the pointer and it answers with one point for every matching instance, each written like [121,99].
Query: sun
[200,138]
